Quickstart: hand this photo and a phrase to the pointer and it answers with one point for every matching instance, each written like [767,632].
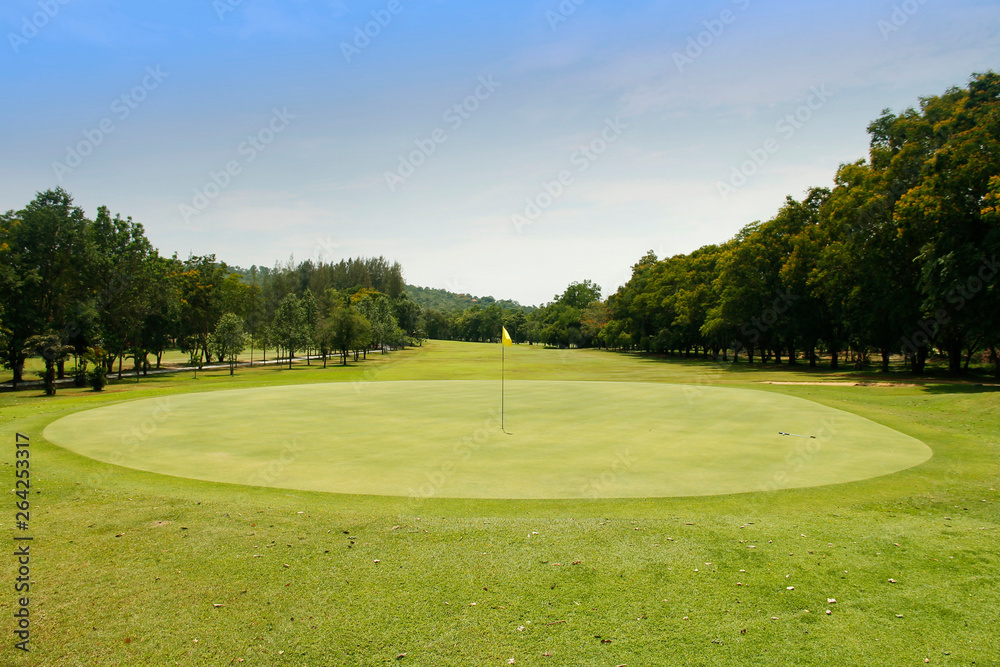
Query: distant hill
[449,302]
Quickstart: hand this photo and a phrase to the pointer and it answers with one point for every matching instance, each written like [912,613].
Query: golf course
[631,510]
[563,439]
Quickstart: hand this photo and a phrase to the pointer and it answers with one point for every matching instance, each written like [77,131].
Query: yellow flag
[506,337]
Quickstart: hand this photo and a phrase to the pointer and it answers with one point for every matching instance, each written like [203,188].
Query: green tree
[51,348]
[123,268]
[944,211]
[45,246]
[289,326]
[350,330]
[230,338]
[310,318]
[377,309]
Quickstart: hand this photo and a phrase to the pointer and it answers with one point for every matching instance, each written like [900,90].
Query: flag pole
[504,342]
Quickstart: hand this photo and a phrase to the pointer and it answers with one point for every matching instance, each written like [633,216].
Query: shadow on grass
[936,379]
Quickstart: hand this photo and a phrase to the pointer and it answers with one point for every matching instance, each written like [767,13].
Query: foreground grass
[129,566]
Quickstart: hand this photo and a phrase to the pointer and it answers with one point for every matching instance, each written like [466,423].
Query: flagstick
[502,356]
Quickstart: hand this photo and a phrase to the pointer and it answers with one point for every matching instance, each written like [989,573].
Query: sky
[493,148]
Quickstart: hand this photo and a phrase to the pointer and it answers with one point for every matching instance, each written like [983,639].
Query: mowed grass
[444,438]
[128,566]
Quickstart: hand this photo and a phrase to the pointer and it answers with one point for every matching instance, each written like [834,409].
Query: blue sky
[503,148]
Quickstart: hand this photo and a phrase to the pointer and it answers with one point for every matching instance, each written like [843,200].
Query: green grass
[127,565]
[444,439]
[34,366]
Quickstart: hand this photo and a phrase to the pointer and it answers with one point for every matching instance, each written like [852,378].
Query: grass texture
[131,567]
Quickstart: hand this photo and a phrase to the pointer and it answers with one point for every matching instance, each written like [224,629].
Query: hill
[449,302]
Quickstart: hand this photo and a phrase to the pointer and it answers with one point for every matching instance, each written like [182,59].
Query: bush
[80,375]
[97,378]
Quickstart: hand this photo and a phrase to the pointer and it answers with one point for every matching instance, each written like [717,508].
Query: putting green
[443,439]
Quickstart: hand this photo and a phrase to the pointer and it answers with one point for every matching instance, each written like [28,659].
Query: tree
[310,317]
[960,133]
[377,309]
[45,247]
[51,348]
[407,313]
[350,330]
[515,320]
[436,324]
[230,338]
[289,326]
[199,280]
[580,295]
[123,270]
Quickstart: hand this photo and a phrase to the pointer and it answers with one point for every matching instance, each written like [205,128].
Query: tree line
[899,257]
[571,319]
[98,291]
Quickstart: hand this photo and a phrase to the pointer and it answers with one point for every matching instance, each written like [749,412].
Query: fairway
[443,439]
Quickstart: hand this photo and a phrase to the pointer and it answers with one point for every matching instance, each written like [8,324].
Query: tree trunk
[834,358]
[920,360]
[885,359]
[61,369]
[50,378]
[955,356]
[18,369]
